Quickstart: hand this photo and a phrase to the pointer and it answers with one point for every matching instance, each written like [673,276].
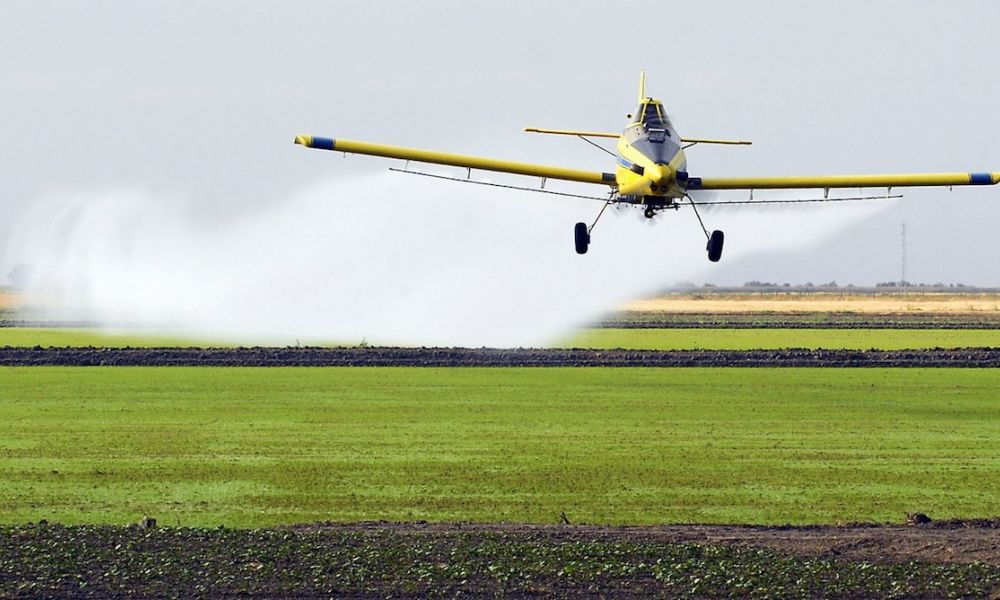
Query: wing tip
[321,143]
[984,178]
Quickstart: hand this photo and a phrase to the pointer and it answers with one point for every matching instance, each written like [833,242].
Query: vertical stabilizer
[642,86]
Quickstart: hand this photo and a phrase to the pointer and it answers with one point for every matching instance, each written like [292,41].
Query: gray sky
[197,103]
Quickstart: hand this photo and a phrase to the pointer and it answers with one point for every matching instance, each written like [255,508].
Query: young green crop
[652,339]
[753,339]
[58,337]
[246,447]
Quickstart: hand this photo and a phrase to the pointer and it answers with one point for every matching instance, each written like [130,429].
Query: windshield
[653,119]
[651,116]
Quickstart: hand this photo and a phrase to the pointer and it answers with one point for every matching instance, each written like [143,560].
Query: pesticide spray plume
[384,259]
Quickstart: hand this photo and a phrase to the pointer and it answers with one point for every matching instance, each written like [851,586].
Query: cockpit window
[651,116]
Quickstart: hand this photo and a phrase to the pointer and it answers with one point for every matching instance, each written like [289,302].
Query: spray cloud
[387,259]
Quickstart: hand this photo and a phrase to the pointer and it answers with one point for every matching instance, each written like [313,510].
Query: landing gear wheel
[649,212]
[715,246]
[582,238]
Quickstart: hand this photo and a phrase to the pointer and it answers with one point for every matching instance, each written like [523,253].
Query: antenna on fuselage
[642,86]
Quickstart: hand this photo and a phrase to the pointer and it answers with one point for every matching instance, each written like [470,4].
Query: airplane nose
[660,175]
[656,179]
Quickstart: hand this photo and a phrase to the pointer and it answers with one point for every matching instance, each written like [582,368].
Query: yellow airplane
[651,171]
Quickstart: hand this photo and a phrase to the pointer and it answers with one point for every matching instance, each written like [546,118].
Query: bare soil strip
[494,357]
[958,541]
[379,560]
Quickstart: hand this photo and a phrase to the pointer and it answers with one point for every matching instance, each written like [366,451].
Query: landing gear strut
[715,239]
[581,233]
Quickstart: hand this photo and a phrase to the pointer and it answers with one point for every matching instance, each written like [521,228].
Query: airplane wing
[843,181]
[456,160]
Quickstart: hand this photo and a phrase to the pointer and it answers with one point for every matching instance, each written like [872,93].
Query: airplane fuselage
[652,166]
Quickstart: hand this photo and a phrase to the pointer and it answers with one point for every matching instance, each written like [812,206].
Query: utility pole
[902,268]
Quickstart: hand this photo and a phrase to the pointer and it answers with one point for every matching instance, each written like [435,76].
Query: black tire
[715,246]
[650,213]
[582,238]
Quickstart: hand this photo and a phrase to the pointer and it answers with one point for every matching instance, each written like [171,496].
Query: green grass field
[248,447]
[55,337]
[652,339]
[752,339]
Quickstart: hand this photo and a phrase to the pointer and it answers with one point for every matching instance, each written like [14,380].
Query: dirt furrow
[495,357]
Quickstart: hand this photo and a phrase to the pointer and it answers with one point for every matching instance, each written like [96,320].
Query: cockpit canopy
[651,116]
[653,119]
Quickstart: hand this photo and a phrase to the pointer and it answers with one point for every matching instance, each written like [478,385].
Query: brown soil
[386,560]
[935,542]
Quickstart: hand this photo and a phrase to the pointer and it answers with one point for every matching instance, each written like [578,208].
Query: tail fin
[642,86]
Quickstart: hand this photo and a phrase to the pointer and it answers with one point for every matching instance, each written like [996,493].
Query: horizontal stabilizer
[599,134]
[602,134]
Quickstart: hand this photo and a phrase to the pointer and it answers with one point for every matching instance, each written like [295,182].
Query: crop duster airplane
[651,171]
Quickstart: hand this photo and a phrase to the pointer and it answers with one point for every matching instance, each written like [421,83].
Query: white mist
[389,259]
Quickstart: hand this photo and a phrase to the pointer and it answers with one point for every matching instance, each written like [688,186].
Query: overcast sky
[197,103]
